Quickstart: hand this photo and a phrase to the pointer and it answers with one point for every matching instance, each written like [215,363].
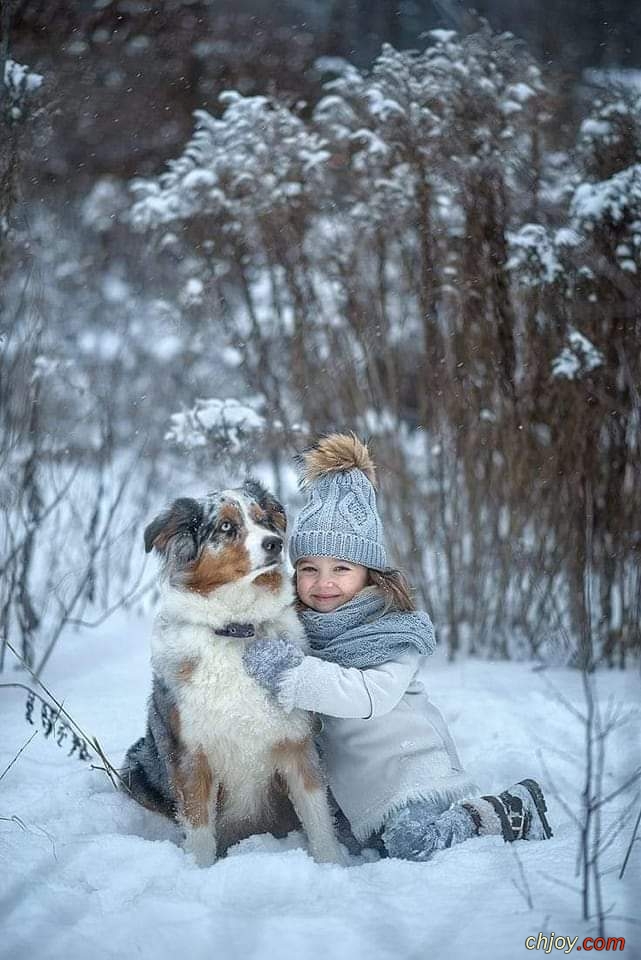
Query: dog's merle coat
[219,755]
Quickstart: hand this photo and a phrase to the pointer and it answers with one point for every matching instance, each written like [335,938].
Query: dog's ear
[175,530]
[268,502]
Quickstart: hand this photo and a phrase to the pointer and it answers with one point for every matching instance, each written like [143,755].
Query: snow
[21,82]
[607,200]
[257,156]
[520,91]
[534,255]
[442,36]
[628,265]
[225,422]
[564,237]
[329,64]
[18,76]
[579,356]
[382,106]
[509,107]
[114,288]
[595,128]
[627,78]
[105,344]
[192,292]
[88,873]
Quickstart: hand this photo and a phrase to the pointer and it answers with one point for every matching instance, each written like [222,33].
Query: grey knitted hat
[340,518]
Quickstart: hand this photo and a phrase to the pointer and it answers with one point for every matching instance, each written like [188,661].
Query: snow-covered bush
[227,431]
[422,256]
[414,252]
[256,159]
[579,276]
[609,137]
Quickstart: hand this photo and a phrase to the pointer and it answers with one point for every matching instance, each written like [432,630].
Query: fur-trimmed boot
[518,813]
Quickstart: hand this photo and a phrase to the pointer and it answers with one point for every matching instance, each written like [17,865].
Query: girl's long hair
[395,588]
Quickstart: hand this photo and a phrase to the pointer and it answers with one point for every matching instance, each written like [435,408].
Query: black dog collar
[242,630]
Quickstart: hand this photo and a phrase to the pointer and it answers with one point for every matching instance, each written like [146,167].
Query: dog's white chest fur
[222,709]
[224,712]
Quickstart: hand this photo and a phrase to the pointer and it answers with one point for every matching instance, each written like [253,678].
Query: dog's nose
[272,545]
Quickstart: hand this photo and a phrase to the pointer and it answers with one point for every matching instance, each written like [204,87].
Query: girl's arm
[313,684]
[346,691]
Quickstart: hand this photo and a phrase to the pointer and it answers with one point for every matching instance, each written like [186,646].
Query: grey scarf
[359,634]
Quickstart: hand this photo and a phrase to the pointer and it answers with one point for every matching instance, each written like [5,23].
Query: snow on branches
[225,427]
[577,358]
[20,83]
[599,197]
[416,119]
[536,254]
[609,137]
[613,207]
[608,201]
[258,156]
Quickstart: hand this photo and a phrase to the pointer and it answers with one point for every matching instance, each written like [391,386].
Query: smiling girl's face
[325,583]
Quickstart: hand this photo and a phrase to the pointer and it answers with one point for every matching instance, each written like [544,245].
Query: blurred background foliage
[396,218]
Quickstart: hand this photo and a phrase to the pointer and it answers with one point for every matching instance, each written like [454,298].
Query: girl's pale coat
[383,742]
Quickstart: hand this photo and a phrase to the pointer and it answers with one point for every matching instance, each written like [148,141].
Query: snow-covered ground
[89,874]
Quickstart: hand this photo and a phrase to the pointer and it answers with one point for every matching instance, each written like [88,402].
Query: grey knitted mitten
[267,660]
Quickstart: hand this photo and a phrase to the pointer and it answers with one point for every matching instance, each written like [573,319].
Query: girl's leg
[417,830]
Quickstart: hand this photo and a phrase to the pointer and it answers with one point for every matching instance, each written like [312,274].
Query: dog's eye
[226,526]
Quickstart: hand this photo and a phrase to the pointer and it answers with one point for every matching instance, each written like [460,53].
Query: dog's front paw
[200,843]
[331,853]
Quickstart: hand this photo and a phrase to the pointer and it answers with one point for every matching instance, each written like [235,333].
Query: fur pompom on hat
[335,453]
[340,518]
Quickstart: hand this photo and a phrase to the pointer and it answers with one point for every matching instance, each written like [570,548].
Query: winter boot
[521,812]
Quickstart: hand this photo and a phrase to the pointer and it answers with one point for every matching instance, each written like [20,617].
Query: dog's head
[228,536]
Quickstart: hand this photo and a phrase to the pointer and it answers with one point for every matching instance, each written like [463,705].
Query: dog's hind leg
[196,791]
[299,766]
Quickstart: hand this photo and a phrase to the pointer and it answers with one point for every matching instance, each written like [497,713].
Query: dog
[219,755]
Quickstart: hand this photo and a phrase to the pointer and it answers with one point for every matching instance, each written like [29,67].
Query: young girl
[391,761]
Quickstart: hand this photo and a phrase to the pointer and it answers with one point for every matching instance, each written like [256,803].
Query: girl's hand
[267,660]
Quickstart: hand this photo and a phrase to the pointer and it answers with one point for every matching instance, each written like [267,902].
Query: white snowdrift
[92,875]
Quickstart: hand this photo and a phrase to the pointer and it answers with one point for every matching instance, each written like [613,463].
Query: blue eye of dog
[226,527]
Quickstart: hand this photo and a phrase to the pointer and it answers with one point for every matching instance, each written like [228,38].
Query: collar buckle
[233,629]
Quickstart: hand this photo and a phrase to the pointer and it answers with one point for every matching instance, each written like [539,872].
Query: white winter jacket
[383,742]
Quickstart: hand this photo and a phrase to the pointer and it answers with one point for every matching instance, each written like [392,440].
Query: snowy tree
[243,192]
[581,289]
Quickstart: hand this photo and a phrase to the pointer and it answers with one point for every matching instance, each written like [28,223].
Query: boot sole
[536,793]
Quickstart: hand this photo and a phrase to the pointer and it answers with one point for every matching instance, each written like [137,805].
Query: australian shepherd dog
[219,755]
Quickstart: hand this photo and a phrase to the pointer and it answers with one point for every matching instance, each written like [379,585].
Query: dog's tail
[137,782]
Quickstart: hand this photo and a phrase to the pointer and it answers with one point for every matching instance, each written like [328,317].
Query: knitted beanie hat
[340,518]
